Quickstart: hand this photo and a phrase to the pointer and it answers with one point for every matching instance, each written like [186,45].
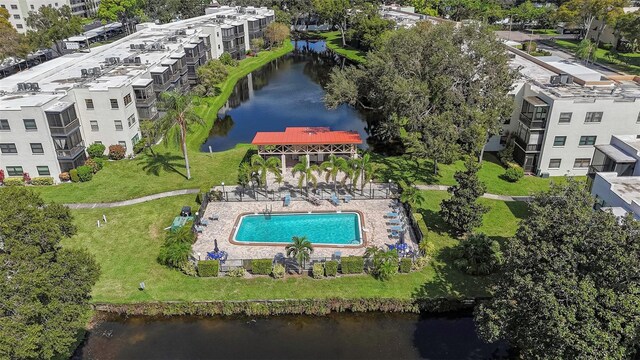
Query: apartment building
[49,114]
[562,110]
[19,9]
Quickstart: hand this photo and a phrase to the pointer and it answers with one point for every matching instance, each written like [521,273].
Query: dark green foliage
[13,181]
[210,76]
[462,212]
[352,265]
[116,152]
[139,146]
[261,266]
[45,180]
[73,174]
[317,270]
[513,173]
[478,255]
[96,150]
[300,249]
[506,155]
[85,173]
[99,163]
[367,27]
[227,60]
[44,289]
[331,268]
[208,268]
[384,263]
[569,282]
[405,265]
[177,247]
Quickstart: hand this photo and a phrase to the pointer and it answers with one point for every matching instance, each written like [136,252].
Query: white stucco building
[50,113]
[19,9]
[562,110]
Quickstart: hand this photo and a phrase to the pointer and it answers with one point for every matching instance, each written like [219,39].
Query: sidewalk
[132,201]
[486,195]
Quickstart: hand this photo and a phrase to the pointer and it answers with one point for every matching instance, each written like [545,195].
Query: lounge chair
[394,221]
[392,214]
[287,200]
[397,228]
[334,199]
[199,228]
[336,255]
[204,222]
[391,246]
[214,217]
[347,198]
[395,233]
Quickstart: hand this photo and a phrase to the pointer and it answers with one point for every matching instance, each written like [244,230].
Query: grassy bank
[128,245]
[147,174]
[631,63]
[334,42]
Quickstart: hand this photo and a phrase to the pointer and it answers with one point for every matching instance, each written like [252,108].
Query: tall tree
[367,27]
[300,249]
[12,44]
[570,280]
[124,11]
[276,33]
[306,173]
[210,75]
[584,12]
[52,25]
[364,170]
[262,167]
[332,168]
[44,289]
[179,116]
[336,12]
[462,212]
[447,87]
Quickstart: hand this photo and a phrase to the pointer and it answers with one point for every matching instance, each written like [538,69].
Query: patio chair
[199,228]
[214,217]
[336,255]
[397,228]
[395,233]
[204,222]
[347,198]
[392,214]
[394,221]
[334,199]
[287,200]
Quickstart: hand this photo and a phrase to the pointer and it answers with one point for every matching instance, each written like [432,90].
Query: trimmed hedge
[96,150]
[208,268]
[45,180]
[85,173]
[352,265]
[261,266]
[318,270]
[405,265]
[513,173]
[331,268]
[13,181]
[73,174]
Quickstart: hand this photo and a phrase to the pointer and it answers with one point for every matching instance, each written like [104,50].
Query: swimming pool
[330,229]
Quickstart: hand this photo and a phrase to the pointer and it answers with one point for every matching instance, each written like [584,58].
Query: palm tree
[364,170]
[300,249]
[411,195]
[263,166]
[306,173]
[332,168]
[180,114]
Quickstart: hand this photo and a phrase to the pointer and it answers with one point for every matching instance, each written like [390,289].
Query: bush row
[20,181]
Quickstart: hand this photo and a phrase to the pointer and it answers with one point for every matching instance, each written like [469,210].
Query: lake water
[286,92]
[337,336]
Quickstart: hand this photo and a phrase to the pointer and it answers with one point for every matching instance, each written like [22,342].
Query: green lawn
[421,172]
[146,174]
[127,246]
[631,63]
[334,42]
[543,31]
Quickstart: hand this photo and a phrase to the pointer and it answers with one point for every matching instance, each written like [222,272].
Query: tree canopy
[44,289]
[570,282]
[443,89]
[123,11]
[12,44]
[52,25]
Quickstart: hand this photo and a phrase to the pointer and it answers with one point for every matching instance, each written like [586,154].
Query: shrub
[427,248]
[14,181]
[226,59]
[92,164]
[529,46]
[73,174]
[26,178]
[405,265]
[189,268]
[506,155]
[96,150]
[352,265]
[1,176]
[478,255]
[278,271]
[85,173]
[208,268]
[237,272]
[174,254]
[318,270]
[45,180]
[140,145]
[513,173]
[331,268]
[64,177]
[116,152]
[99,163]
[261,266]
[420,262]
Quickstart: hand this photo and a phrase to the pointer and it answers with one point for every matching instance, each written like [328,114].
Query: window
[554,163]
[14,7]
[36,148]
[123,144]
[638,119]
[4,125]
[593,117]
[30,124]
[8,148]
[16,16]
[89,103]
[559,140]
[14,170]
[19,26]
[587,140]
[94,125]
[3,6]
[127,99]
[97,142]
[135,139]
[118,125]
[565,117]
[32,7]
[581,163]
[131,120]
[43,170]
[114,103]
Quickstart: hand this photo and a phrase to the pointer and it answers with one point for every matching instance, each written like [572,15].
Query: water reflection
[286,92]
[337,336]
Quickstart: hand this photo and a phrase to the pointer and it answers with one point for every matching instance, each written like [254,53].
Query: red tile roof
[306,136]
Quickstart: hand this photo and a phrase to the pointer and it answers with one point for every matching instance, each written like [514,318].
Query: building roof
[614,153]
[306,136]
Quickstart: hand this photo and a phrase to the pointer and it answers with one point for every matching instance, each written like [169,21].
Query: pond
[286,92]
[337,336]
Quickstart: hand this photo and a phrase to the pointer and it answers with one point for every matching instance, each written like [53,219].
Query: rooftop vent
[28,87]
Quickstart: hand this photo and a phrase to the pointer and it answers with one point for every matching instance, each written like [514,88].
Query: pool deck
[376,229]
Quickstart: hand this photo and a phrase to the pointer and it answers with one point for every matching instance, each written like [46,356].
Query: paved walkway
[486,195]
[132,201]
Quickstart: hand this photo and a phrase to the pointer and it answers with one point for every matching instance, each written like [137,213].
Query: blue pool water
[323,228]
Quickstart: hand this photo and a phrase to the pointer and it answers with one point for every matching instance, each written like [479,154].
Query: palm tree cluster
[355,171]
[257,170]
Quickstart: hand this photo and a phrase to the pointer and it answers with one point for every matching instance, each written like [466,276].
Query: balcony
[532,124]
[66,130]
[72,153]
[528,147]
